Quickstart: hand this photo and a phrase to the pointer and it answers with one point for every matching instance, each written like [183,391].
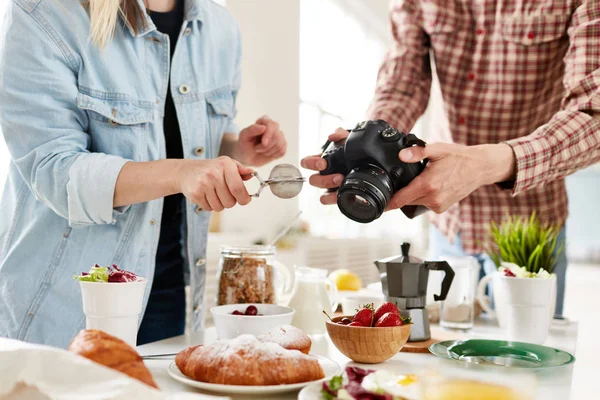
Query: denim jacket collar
[193,11]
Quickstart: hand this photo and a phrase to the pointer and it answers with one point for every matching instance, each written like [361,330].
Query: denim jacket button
[196,308]
[200,262]
[187,31]
[199,210]
[199,150]
[184,89]
[152,222]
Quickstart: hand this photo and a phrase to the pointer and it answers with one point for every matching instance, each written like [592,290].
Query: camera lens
[364,193]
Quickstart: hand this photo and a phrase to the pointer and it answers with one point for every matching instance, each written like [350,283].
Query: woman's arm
[212,184]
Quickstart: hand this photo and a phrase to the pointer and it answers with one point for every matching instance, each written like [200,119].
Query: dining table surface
[552,383]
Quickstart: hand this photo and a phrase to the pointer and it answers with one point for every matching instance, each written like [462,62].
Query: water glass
[457,311]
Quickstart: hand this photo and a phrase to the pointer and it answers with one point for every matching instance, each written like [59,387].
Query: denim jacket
[72,115]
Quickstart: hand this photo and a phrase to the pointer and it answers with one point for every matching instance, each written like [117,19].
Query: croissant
[247,361]
[111,352]
[289,337]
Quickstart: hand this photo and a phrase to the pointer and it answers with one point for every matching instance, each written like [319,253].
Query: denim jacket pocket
[220,102]
[534,29]
[220,108]
[117,126]
[116,111]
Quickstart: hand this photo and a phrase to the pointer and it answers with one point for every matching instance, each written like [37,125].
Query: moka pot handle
[448,277]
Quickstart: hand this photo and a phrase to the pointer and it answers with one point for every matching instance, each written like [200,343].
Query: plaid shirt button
[471,76]
[480,31]
[461,120]
[530,35]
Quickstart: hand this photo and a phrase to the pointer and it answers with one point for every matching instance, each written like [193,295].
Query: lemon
[345,280]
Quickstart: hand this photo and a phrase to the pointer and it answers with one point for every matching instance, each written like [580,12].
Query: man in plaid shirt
[521,88]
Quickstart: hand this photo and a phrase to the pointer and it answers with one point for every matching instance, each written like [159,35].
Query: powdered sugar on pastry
[249,346]
[289,337]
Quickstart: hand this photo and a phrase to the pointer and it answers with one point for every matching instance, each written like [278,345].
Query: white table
[552,384]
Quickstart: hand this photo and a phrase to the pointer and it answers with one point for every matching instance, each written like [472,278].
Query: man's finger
[316,163]
[415,154]
[329,198]
[407,195]
[326,181]
[339,134]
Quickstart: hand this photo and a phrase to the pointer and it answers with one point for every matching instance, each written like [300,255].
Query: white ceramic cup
[114,308]
[524,306]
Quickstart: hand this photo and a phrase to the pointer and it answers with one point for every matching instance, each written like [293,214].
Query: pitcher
[313,293]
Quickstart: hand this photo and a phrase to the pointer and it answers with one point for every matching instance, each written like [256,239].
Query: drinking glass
[457,311]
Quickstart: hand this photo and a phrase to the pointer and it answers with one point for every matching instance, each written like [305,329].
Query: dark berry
[345,321]
[236,312]
[251,310]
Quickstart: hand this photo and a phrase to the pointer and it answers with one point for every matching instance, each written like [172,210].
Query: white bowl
[230,326]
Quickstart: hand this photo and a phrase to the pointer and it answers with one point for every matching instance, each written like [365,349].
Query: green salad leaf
[96,274]
[330,389]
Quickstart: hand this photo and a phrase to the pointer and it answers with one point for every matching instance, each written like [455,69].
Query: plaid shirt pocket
[529,30]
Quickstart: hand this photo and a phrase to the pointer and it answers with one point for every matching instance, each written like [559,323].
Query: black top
[170,23]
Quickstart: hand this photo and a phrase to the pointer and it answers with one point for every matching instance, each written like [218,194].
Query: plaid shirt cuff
[569,142]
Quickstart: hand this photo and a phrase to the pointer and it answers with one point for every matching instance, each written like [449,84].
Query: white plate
[330,368]
[311,392]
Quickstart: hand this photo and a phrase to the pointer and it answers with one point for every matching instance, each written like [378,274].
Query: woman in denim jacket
[119,123]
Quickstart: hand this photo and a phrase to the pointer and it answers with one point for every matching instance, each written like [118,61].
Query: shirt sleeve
[571,139]
[44,130]
[404,79]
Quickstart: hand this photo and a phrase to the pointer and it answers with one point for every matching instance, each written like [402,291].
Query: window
[339,60]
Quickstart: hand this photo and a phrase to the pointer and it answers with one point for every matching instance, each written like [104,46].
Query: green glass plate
[502,353]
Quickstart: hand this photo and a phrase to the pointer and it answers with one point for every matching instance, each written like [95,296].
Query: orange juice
[470,390]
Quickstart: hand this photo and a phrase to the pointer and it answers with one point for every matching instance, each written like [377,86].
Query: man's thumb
[417,153]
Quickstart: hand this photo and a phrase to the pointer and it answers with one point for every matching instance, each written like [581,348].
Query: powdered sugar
[286,336]
[249,347]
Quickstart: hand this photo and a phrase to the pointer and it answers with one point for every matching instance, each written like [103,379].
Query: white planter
[524,307]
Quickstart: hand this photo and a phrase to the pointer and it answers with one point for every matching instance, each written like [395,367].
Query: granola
[245,279]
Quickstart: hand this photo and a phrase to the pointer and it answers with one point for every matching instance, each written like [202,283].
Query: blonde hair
[104,15]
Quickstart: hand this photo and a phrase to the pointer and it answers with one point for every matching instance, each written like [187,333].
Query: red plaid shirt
[526,73]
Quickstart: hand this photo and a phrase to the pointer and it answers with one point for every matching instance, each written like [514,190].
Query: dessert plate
[502,353]
[330,368]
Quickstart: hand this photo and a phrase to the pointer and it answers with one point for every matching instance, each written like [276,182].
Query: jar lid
[247,250]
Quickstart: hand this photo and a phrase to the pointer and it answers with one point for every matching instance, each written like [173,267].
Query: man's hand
[260,143]
[316,163]
[453,172]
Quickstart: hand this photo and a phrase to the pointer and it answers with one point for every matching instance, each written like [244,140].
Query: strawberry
[355,324]
[385,307]
[364,316]
[389,319]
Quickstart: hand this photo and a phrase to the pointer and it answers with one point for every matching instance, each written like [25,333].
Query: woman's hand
[453,172]
[214,184]
[316,163]
[260,143]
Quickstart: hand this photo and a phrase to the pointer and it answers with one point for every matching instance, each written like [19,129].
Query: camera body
[372,171]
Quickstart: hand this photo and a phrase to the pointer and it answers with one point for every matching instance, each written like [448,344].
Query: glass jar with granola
[251,275]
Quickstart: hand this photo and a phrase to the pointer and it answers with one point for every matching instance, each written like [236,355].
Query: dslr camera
[372,171]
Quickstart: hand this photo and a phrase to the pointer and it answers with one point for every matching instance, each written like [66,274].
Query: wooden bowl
[367,345]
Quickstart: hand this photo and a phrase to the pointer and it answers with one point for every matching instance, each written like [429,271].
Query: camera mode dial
[390,134]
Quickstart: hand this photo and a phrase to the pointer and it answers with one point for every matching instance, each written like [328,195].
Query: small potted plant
[525,252]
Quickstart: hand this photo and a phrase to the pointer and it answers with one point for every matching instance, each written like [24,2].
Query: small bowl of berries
[371,335]
[233,320]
